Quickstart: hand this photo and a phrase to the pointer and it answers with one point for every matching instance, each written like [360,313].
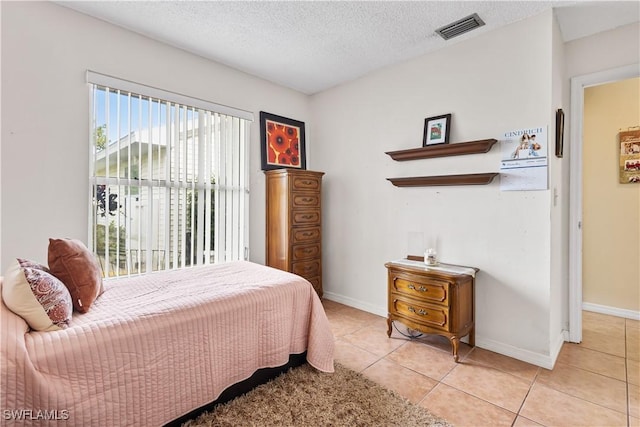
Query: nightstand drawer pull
[420,289]
[420,312]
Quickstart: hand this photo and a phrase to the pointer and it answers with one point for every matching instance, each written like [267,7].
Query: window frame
[234,249]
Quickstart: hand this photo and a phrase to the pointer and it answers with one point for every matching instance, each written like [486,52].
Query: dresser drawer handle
[306,182]
[307,233]
[307,199]
[420,312]
[307,216]
[420,289]
[308,251]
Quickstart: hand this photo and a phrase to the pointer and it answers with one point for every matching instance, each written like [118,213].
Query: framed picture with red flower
[282,142]
[436,130]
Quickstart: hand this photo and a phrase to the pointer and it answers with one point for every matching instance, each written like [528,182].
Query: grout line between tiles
[626,363]
[535,377]
[586,400]
[480,398]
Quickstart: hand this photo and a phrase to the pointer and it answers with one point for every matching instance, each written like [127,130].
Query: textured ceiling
[311,46]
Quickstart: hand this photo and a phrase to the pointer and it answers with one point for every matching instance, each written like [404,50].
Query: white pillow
[30,291]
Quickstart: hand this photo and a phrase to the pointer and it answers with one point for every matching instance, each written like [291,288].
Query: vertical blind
[168,179]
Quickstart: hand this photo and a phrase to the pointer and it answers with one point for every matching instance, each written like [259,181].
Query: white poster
[524,159]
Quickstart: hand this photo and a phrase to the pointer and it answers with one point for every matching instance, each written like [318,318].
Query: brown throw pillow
[72,263]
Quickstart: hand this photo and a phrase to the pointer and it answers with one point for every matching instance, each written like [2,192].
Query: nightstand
[432,299]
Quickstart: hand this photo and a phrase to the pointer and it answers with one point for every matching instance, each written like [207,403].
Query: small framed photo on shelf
[436,130]
[282,142]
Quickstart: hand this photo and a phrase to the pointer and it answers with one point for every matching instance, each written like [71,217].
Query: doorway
[578,86]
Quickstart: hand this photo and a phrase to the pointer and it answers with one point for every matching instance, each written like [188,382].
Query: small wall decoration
[629,156]
[282,142]
[436,130]
[559,132]
[524,164]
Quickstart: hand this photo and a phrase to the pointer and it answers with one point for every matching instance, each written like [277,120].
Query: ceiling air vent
[462,26]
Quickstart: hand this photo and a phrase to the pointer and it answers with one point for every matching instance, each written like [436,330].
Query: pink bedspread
[156,346]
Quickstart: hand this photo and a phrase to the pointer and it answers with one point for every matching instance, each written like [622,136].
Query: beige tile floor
[595,383]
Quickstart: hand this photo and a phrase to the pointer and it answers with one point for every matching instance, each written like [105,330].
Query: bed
[155,347]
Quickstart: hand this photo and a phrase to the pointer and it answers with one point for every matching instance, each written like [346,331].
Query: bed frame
[261,376]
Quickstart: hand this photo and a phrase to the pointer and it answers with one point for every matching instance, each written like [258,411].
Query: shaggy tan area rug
[306,397]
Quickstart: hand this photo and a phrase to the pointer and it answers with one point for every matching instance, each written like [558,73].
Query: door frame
[578,84]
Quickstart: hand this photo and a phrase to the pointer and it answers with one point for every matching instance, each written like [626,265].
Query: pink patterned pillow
[25,263]
[30,291]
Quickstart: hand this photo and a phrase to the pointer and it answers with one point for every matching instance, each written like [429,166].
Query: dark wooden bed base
[261,376]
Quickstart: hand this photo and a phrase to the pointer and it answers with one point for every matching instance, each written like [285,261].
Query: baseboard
[538,359]
[370,308]
[612,311]
[556,347]
[542,360]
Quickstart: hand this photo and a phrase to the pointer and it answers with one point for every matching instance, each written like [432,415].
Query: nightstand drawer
[306,268]
[301,252]
[427,289]
[430,315]
[306,235]
[309,183]
[311,217]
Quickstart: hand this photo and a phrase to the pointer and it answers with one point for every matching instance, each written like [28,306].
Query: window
[168,179]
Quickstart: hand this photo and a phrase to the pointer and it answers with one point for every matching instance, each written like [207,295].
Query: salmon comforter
[154,347]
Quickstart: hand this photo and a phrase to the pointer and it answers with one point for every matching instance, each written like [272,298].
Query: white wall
[493,83]
[46,50]
[603,51]
[559,185]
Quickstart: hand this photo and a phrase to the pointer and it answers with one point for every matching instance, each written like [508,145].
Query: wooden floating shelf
[442,150]
[428,181]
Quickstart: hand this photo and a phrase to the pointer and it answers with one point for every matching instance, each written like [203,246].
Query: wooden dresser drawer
[306,183]
[303,200]
[311,217]
[430,315]
[427,289]
[306,235]
[306,268]
[310,251]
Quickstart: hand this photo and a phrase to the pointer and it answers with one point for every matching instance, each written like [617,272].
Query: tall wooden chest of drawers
[433,300]
[294,218]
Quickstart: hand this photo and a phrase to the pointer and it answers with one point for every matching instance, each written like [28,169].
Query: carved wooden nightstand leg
[472,337]
[455,341]
[389,323]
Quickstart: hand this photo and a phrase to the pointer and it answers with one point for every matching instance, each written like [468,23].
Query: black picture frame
[282,142]
[436,130]
[559,133]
